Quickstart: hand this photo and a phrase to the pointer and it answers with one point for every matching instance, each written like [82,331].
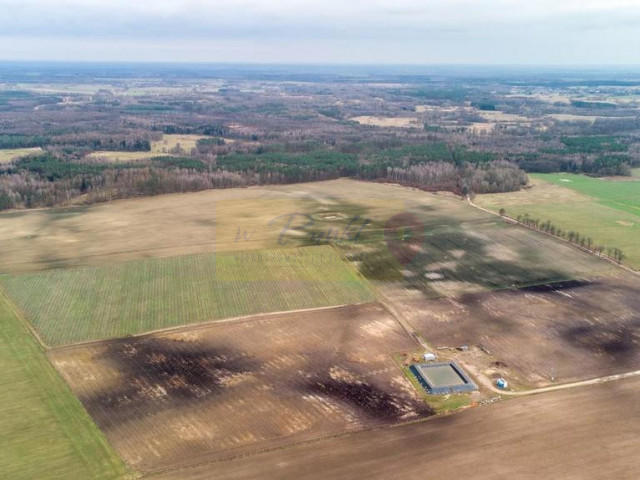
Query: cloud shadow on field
[620,342]
[451,254]
[162,373]
[364,398]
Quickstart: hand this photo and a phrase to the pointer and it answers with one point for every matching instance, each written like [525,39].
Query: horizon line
[319,64]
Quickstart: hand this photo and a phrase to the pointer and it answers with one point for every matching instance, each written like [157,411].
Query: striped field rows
[89,303]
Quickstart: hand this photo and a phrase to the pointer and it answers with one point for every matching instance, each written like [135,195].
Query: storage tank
[502,383]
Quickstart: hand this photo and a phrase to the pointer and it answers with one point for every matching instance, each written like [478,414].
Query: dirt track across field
[586,433]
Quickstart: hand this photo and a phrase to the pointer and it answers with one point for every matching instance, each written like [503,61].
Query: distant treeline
[593,144]
[54,178]
[24,141]
[206,129]
[599,155]
[596,105]
[493,177]
[458,94]
[109,142]
[89,141]
[602,165]
[63,172]
[422,166]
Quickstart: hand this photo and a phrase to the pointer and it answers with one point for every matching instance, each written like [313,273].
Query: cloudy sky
[594,32]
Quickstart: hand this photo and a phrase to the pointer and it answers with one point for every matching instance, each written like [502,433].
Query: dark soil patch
[364,398]
[557,286]
[163,373]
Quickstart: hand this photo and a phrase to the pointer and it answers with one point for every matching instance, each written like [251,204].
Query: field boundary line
[18,313]
[207,324]
[513,221]
[404,323]
[391,309]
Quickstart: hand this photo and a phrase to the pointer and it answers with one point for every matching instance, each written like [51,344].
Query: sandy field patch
[207,221]
[8,154]
[498,116]
[399,122]
[478,127]
[435,108]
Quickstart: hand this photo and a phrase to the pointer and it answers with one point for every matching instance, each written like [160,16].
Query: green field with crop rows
[89,303]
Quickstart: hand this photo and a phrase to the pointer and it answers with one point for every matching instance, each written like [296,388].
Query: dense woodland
[464,135]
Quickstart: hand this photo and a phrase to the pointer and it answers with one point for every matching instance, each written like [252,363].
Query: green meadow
[45,431]
[607,210]
[622,195]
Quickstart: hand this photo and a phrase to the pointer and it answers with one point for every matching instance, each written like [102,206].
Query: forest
[97,137]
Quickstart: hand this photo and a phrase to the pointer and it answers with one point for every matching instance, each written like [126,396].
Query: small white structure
[429,357]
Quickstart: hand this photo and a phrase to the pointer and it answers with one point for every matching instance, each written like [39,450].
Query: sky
[479,32]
